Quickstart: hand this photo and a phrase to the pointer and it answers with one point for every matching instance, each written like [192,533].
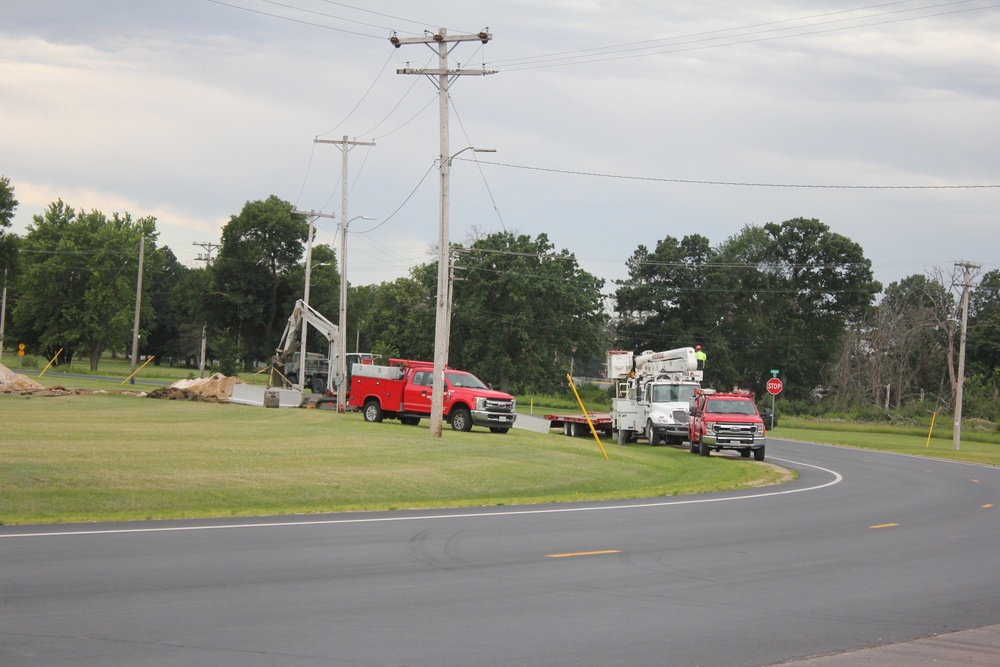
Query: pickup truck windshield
[720,407]
[672,393]
[461,380]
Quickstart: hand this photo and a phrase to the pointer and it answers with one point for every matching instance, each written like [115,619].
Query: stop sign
[774,386]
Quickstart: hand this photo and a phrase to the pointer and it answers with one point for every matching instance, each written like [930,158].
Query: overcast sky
[615,123]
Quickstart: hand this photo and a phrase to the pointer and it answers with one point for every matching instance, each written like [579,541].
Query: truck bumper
[729,442]
[679,430]
[493,419]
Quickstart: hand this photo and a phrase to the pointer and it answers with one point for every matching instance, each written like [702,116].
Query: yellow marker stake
[931,432]
[137,370]
[586,416]
[51,362]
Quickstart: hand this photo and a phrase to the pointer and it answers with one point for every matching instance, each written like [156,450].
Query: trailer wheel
[373,411]
[461,419]
[758,454]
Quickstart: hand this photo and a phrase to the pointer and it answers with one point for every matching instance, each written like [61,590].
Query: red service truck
[403,390]
[730,420]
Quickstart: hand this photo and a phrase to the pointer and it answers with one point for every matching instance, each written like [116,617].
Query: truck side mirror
[692,410]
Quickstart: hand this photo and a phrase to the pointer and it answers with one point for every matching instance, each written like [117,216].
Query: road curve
[863,549]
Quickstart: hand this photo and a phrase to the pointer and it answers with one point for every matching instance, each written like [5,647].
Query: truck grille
[499,405]
[737,430]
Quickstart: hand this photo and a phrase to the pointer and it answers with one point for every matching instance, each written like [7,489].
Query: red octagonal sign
[774,386]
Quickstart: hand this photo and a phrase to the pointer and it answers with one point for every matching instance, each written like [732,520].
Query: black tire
[498,429]
[694,447]
[758,454]
[461,419]
[373,411]
[745,453]
[409,421]
[703,448]
[654,437]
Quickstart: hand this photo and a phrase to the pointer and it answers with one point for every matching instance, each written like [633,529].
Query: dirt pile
[12,382]
[215,389]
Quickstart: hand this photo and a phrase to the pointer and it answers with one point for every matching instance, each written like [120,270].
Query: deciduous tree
[260,248]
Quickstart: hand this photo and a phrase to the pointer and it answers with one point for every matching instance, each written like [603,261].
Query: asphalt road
[864,549]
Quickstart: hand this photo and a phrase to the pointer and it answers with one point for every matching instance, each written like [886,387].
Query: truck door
[645,403]
[417,395]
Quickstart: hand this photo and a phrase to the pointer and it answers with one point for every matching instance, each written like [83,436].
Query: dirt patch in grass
[215,389]
[12,382]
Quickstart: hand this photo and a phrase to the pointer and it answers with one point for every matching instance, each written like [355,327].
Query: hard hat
[697,347]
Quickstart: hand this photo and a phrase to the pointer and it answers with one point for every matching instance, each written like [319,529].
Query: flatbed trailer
[574,425]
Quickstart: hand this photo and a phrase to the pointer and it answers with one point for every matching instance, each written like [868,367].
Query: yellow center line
[584,553]
[884,525]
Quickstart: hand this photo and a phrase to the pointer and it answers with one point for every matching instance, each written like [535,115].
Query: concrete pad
[532,423]
[968,648]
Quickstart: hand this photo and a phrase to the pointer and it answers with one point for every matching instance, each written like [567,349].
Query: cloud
[186,110]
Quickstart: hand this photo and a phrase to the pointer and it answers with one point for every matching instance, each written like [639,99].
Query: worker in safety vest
[700,355]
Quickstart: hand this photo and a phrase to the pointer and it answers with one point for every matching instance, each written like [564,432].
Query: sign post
[774,388]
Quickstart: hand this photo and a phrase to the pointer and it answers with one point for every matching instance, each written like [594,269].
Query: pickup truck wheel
[694,447]
[745,453]
[373,411]
[409,421]
[758,454]
[498,429]
[703,448]
[461,420]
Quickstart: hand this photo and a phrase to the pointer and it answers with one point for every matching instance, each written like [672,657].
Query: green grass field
[97,457]
[974,447]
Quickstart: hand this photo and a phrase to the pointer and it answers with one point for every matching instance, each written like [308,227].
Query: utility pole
[345,148]
[138,304]
[207,258]
[442,76]
[305,294]
[3,311]
[956,433]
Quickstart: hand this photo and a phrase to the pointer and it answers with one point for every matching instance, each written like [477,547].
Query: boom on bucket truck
[320,371]
[653,394]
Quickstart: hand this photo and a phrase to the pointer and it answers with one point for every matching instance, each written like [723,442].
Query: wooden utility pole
[138,305]
[345,147]
[956,433]
[442,76]
[305,294]
[207,258]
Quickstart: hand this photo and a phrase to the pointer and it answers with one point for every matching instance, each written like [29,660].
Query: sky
[615,123]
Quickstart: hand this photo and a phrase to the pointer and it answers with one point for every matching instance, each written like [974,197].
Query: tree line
[793,296]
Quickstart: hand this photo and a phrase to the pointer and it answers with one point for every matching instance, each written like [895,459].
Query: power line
[288,18]
[748,184]
[632,50]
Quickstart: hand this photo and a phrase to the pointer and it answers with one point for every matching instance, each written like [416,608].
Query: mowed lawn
[98,457]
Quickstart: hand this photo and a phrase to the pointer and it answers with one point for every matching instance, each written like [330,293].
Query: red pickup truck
[403,389]
[726,421]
